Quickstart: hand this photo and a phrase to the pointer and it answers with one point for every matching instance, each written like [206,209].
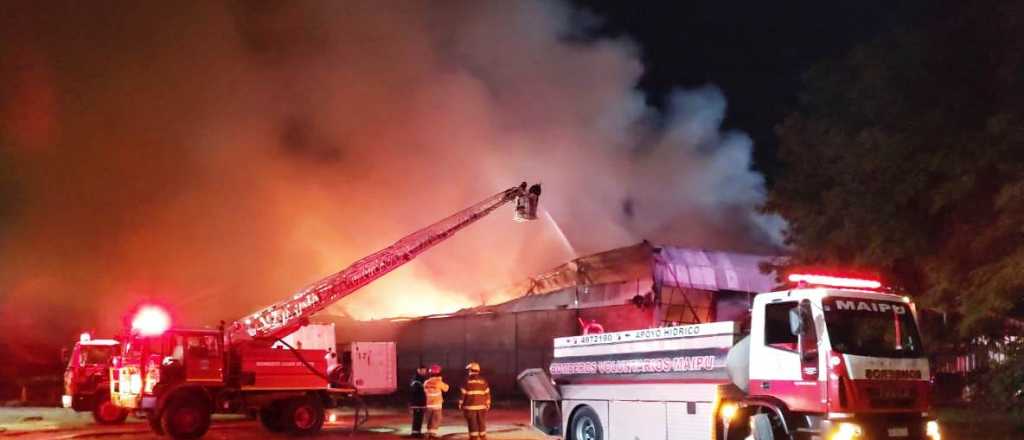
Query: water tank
[737,363]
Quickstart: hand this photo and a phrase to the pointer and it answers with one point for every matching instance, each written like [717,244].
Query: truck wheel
[154,423]
[585,425]
[105,412]
[270,417]
[761,425]
[185,417]
[303,416]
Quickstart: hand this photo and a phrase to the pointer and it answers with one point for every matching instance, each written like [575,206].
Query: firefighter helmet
[435,369]
[473,367]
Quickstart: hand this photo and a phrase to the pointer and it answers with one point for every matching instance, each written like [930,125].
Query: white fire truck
[177,377]
[828,359]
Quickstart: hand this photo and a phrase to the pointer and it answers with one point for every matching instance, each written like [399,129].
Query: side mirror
[65,356]
[796,322]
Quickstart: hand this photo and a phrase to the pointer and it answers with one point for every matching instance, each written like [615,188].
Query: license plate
[898,432]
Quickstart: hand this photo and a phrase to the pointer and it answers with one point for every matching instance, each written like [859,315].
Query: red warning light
[827,280]
[151,320]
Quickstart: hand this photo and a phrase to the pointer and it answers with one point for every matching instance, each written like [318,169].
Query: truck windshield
[869,327]
[93,355]
[136,344]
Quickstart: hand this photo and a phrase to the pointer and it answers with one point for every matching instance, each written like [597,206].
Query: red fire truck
[87,379]
[178,377]
[829,358]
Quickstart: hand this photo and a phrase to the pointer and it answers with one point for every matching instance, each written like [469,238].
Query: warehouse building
[640,286]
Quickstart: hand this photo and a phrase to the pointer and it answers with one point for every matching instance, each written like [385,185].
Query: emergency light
[84,337]
[831,281]
[150,321]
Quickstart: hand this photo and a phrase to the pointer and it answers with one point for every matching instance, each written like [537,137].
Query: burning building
[639,286]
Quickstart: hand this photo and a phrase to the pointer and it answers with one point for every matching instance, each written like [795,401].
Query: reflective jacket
[433,388]
[476,394]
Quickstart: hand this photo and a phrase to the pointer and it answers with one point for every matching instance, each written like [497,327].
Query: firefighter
[417,400]
[434,389]
[475,402]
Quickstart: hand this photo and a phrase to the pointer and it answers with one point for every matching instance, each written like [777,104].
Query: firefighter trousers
[476,422]
[433,421]
[417,419]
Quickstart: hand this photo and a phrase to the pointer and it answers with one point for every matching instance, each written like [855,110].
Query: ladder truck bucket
[526,203]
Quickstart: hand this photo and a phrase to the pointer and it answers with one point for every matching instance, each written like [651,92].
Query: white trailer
[371,366]
[368,367]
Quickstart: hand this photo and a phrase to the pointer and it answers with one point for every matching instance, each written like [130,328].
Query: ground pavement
[384,424]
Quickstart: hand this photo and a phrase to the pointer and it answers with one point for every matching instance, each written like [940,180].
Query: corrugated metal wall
[511,337]
[503,343]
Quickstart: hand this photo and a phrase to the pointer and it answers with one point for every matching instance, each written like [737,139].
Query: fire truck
[177,377]
[827,358]
[87,379]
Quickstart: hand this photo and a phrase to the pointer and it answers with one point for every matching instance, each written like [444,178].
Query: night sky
[755,51]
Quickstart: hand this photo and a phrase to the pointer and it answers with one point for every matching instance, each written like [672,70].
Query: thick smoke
[218,156]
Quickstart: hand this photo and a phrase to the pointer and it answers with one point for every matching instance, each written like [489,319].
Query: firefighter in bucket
[526,203]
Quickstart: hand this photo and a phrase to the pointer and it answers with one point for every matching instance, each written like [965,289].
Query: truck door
[203,358]
[784,359]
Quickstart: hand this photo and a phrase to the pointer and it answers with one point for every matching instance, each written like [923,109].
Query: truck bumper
[78,402]
[128,401]
[911,426]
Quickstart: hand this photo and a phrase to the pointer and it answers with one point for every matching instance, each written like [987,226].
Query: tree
[907,156]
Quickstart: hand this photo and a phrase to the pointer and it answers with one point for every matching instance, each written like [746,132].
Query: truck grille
[895,397]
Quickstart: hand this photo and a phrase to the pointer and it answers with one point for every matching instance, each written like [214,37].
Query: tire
[154,423]
[585,425]
[762,427]
[185,417]
[270,417]
[303,416]
[105,412]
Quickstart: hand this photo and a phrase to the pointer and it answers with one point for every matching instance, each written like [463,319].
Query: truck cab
[86,379]
[820,358]
[172,358]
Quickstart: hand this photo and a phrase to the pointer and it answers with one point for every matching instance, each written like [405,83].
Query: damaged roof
[613,277]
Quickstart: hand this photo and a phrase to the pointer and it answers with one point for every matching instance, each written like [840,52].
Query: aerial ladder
[177,377]
[282,318]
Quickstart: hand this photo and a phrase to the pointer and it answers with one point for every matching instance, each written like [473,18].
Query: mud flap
[545,400]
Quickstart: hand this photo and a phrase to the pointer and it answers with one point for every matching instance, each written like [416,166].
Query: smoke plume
[216,157]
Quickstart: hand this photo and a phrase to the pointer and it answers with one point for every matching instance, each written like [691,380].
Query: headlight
[135,383]
[123,387]
[728,411]
[932,429]
[846,431]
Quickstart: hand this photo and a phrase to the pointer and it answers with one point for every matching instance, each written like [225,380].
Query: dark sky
[755,51]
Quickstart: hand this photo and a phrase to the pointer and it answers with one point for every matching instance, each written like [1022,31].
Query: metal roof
[613,277]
